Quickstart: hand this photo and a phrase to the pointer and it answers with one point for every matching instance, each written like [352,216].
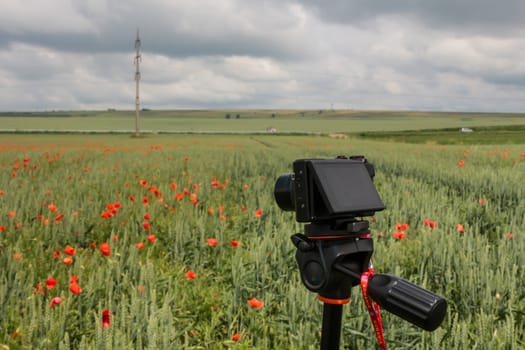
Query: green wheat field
[174,241]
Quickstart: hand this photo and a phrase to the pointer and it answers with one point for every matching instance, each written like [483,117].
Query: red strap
[373,308]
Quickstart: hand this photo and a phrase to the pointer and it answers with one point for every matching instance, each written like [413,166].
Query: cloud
[482,17]
[181,28]
[409,54]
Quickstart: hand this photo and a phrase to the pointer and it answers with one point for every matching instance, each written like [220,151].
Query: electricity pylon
[138,59]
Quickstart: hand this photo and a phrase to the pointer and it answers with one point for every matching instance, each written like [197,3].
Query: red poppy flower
[39,289]
[258,213]
[222,217]
[399,235]
[460,228]
[51,283]
[155,190]
[236,337]
[461,163]
[73,279]
[179,196]
[105,249]
[143,182]
[146,226]
[131,198]
[215,184]
[75,288]
[2,228]
[59,217]
[256,304]
[53,208]
[57,254]
[429,223]
[190,275]
[210,211]
[234,243]
[12,214]
[152,238]
[69,250]
[55,301]
[105,318]
[68,261]
[402,227]
[509,236]
[146,216]
[212,242]
[18,256]
[140,245]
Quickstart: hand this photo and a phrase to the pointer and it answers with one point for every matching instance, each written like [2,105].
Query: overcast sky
[444,55]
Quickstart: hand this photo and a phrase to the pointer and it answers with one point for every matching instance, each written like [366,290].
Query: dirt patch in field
[337,136]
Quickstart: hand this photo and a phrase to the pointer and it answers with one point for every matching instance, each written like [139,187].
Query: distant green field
[253,121]
[510,134]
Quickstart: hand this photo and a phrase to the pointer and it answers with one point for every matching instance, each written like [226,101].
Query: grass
[153,304]
[510,134]
[260,121]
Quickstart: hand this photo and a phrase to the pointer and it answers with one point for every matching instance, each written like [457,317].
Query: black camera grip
[408,301]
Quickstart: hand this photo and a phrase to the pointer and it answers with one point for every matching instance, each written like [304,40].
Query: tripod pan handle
[408,301]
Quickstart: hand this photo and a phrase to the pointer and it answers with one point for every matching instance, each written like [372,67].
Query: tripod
[332,258]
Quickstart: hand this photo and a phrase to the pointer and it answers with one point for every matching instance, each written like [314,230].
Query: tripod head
[334,253]
[332,265]
[322,248]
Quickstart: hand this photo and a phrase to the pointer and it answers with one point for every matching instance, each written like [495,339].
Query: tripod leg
[331,332]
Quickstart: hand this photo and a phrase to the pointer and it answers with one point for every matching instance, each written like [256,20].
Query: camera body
[320,190]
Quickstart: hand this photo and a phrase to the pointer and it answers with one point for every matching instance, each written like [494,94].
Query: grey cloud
[180,29]
[497,18]
[460,55]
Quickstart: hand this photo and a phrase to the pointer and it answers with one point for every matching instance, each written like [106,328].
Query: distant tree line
[229,116]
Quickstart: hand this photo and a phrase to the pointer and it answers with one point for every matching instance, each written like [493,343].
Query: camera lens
[283,192]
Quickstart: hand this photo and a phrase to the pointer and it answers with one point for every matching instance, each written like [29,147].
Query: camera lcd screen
[346,187]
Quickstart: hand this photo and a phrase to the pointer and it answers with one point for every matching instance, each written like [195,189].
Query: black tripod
[332,257]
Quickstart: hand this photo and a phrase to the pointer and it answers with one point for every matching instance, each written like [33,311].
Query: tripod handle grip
[408,301]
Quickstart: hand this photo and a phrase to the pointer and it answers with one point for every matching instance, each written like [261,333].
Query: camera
[325,189]
[334,253]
